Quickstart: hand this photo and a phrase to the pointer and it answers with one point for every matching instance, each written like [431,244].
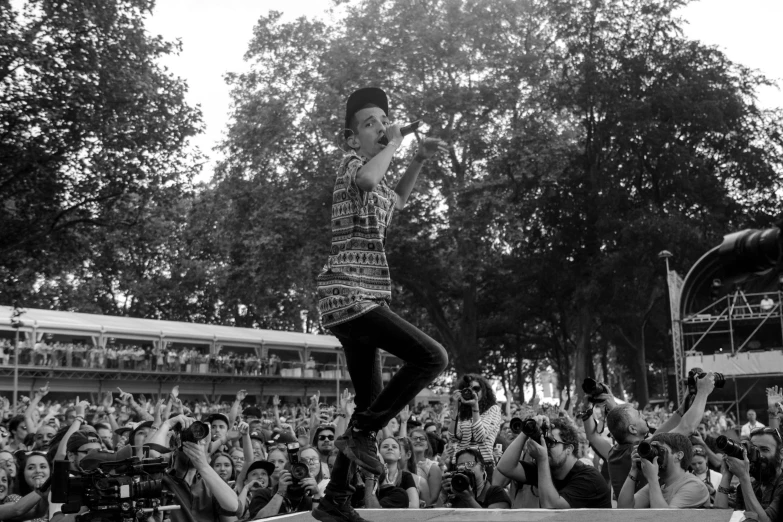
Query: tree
[585,138]
[673,150]
[93,132]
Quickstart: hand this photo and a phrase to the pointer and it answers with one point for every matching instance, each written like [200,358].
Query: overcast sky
[215,36]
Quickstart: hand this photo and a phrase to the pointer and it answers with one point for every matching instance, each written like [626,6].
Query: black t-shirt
[493,495]
[620,467]
[583,487]
[261,498]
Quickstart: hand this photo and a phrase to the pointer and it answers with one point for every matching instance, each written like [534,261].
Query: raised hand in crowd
[775,405]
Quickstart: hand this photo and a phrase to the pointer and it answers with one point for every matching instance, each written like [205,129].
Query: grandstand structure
[291,379]
[725,327]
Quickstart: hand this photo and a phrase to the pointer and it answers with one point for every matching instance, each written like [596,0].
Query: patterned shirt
[480,435]
[355,278]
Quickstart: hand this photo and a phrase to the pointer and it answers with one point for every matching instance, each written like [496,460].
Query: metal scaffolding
[731,316]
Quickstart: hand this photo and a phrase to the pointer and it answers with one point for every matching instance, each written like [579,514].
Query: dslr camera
[734,449]
[515,425]
[649,451]
[593,389]
[532,430]
[114,488]
[193,433]
[720,379]
[461,480]
[299,470]
[467,394]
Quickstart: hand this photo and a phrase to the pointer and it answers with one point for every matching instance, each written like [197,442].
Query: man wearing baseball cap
[354,290]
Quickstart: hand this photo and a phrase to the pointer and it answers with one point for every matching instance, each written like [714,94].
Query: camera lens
[467,394]
[729,447]
[647,451]
[299,471]
[515,425]
[531,429]
[460,482]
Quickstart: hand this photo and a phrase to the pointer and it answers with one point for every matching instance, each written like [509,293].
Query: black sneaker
[361,448]
[330,511]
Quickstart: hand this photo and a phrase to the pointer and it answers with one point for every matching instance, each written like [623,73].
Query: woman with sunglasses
[426,468]
[31,503]
[475,418]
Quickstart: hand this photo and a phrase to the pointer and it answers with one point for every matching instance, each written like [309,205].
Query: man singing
[354,290]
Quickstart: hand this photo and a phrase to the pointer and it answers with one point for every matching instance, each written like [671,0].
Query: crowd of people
[253,462]
[148,358]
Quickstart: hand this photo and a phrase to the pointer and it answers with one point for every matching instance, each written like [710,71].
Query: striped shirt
[356,278]
[480,435]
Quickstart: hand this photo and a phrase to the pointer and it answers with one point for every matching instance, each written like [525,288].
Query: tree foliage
[585,137]
[92,142]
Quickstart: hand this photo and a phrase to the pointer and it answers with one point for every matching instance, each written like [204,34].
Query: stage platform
[535,515]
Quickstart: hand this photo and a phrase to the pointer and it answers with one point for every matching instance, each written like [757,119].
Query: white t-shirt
[747,428]
[687,493]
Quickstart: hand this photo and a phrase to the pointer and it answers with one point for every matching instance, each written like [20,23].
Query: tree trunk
[640,383]
[582,358]
[520,374]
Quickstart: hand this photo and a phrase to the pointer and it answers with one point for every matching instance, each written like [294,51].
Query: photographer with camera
[664,461]
[295,491]
[475,417]
[74,446]
[628,425]
[199,490]
[467,484]
[563,481]
[757,465]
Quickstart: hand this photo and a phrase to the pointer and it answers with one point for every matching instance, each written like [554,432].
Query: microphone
[407,129]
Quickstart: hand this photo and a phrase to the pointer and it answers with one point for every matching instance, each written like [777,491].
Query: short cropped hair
[677,442]
[618,421]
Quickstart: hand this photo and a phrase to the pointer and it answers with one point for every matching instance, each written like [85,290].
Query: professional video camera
[649,451]
[299,470]
[115,487]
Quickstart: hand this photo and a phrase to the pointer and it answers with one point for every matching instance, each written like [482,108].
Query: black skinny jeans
[423,357]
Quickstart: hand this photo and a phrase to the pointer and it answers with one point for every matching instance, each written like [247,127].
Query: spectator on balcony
[767,303]
[274,362]
[171,360]
[112,358]
[310,365]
